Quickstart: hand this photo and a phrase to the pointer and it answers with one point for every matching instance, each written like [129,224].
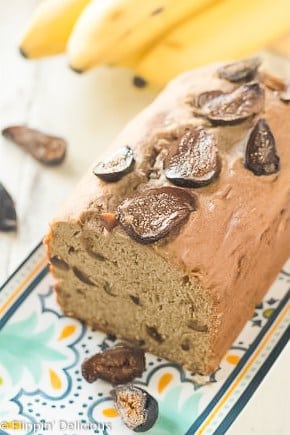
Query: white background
[88,111]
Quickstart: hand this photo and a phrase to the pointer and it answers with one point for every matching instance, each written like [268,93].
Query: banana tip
[139,82]
[76,70]
[23,52]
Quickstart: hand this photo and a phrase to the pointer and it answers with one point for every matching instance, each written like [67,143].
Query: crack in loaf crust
[188,295]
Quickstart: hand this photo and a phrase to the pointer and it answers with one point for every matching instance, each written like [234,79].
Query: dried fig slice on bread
[152,214]
[245,69]
[114,168]
[194,161]
[234,107]
[205,97]
[261,154]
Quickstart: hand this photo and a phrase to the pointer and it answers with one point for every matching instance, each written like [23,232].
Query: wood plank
[87,110]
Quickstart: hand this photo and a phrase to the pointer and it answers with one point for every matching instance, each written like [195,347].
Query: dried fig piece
[117,166]
[137,408]
[234,107]
[194,161]
[82,276]
[117,365]
[197,326]
[109,221]
[8,219]
[285,96]
[135,299]
[237,71]
[153,333]
[261,156]
[49,150]
[152,214]
[185,345]
[59,263]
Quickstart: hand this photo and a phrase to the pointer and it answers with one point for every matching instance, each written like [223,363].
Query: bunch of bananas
[156,38]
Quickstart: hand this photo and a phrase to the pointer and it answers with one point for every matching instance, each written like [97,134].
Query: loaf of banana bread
[172,238]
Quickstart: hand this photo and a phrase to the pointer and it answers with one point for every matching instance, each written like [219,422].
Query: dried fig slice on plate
[245,69]
[152,214]
[234,107]
[118,365]
[261,155]
[137,408]
[117,166]
[8,219]
[194,161]
[49,150]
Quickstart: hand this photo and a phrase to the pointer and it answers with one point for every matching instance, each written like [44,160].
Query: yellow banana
[109,31]
[50,27]
[231,29]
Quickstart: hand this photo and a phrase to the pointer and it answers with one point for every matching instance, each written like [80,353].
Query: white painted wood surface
[88,111]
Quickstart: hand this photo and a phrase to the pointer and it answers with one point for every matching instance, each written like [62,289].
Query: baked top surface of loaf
[234,212]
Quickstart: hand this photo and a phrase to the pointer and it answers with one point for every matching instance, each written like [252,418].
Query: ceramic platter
[41,351]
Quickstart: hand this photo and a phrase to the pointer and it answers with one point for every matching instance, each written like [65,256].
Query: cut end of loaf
[126,289]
